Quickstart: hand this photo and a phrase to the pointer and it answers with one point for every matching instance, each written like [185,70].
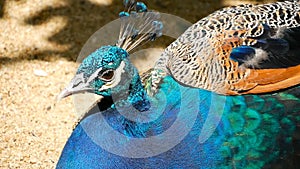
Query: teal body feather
[254,130]
[178,126]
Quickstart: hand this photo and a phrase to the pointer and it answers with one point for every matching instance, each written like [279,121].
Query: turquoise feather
[254,130]
[177,126]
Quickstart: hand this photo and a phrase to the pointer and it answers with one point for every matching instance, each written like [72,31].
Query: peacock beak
[77,85]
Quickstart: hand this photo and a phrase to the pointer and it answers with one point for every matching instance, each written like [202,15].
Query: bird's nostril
[77,82]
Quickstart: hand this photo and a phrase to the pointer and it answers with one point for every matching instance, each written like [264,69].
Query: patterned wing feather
[239,50]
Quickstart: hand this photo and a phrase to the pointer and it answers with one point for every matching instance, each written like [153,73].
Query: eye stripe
[94,75]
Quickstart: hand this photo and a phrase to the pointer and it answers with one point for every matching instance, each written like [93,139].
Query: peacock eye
[107,75]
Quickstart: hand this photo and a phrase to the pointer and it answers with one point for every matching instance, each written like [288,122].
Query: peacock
[225,94]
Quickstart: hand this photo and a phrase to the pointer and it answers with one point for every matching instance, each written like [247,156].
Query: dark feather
[282,48]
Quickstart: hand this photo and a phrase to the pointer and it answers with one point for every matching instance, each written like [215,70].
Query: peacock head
[108,70]
[102,72]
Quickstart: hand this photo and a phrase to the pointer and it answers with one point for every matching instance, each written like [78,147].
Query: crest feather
[138,25]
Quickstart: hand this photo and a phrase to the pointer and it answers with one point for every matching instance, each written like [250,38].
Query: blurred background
[39,44]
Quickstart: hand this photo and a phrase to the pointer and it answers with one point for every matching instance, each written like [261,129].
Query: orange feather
[268,80]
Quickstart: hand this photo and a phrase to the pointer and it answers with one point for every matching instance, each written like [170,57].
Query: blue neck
[138,96]
[131,93]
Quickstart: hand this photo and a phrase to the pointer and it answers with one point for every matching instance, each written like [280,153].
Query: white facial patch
[93,76]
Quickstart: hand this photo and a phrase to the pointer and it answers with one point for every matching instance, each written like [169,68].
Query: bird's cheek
[96,84]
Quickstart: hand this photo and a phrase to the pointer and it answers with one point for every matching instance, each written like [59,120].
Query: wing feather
[202,58]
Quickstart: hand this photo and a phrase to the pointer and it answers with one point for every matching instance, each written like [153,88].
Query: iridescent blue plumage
[242,54]
[141,7]
[182,155]
[250,133]
[178,126]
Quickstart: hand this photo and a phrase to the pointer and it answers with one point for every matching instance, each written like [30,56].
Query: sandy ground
[39,43]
